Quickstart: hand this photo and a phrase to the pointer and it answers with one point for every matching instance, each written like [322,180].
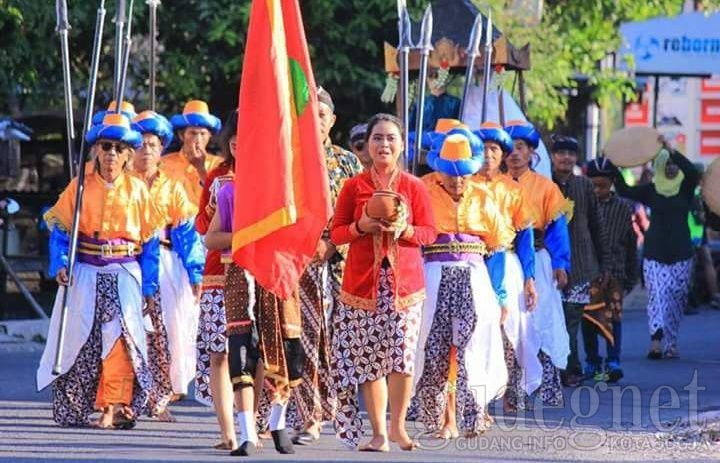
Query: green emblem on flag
[301,92]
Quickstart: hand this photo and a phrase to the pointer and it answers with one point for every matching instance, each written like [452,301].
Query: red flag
[282,197]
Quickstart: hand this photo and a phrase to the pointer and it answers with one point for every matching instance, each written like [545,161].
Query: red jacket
[359,288]
[214,274]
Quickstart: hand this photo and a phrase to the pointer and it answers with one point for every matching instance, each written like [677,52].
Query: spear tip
[426,29]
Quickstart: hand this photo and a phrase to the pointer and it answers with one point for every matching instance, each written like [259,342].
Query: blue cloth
[58,248]
[436,107]
[186,243]
[496,268]
[525,249]
[557,242]
[150,266]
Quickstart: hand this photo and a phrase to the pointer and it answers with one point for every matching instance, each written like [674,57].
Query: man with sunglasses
[590,252]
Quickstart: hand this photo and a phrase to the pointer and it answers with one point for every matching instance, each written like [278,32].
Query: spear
[125,61]
[152,4]
[63,26]
[488,65]
[425,48]
[404,45]
[473,51]
[92,81]
[119,26]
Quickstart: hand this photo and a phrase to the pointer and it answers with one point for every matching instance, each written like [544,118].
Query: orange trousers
[116,379]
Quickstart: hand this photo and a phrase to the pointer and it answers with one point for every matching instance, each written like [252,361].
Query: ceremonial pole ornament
[487,68]
[425,48]
[153,5]
[119,26]
[404,46]
[125,60]
[63,26]
[92,82]
[473,51]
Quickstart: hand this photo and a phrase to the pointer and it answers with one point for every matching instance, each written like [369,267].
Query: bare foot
[166,417]
[401,438]
[376,444]
[447,433]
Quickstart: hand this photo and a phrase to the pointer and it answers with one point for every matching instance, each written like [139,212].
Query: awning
[683,45]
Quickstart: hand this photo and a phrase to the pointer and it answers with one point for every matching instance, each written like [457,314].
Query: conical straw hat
[711,186]
[633,146]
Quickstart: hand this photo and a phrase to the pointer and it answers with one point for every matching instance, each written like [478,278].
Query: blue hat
[492,131]
[126,108]
[522,130]
[196,114]
[157,124]
[116,127]
[429,139]
[458,153]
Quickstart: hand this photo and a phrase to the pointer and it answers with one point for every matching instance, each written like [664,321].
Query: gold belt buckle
[455,247]
[106,250]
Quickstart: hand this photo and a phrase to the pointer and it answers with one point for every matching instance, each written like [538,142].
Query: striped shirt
[589,251]
[616,213]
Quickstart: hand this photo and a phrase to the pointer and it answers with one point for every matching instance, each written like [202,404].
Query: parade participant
[104,365]
[263,333]
[438,104]
[460,363]
[376,325]
[590,254]
[548,210]
[212,379]
[616,214]
[521,342]
[182,257]
[126,108]
[667,254]
[358,146]
[313,401]
[192,163]
[244,355]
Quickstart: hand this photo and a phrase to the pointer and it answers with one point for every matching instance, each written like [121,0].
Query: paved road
[644,417]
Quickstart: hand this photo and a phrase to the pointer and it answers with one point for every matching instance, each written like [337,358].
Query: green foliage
[202,42]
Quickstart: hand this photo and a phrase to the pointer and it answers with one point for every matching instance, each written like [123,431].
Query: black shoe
[282,441]
[247,449]
[614,375]
[572,380]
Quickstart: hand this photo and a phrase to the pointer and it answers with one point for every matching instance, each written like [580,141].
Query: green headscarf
[663,185]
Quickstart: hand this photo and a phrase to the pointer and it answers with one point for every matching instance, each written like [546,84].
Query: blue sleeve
[58,249]
[150,266]
[557,242]
[186,242]
[525,248]
[496,268]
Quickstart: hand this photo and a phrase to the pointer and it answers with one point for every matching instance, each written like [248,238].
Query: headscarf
[665,186]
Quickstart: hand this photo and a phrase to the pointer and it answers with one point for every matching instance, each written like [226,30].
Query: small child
[616,213]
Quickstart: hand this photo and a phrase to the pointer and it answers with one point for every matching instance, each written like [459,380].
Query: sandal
[124,419]
[224,445]
[166,417]
[655,353]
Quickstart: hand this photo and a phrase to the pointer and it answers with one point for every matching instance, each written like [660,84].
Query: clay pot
[383,205]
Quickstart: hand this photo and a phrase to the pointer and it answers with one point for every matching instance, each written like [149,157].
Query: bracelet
[357,229]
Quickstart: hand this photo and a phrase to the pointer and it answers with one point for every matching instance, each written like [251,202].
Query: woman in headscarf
[104,363]
[460,362]
[668,251]
[385,215]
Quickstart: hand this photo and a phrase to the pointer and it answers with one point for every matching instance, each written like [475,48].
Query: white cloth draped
[518,327]
[81,316]
[181,313]
[548,318]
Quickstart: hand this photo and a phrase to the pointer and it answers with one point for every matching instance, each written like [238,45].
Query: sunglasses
[119,147]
